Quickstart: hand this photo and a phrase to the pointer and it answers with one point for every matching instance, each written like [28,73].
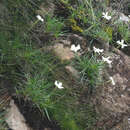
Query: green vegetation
[89,68]
[124,31]
[54,26]
[31,71]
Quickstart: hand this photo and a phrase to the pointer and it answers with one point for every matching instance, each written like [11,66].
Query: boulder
[113,101]
[15,119]
[64,53]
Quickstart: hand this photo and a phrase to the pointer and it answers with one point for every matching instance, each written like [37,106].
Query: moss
[79,16]
[73,21]
[108,2]
[70,8]
[82,12]
[64,2]
[109,31]
[76,28]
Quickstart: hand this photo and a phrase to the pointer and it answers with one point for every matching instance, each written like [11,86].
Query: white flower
[107,60]
[40,18]
[129,16]
[112,80]
[75,48]
[58,84]
[106,16]
[121,43]
[97,50]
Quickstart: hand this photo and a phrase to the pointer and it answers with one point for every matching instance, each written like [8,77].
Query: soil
[34,117]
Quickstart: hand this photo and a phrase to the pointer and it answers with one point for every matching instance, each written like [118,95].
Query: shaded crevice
[34,118]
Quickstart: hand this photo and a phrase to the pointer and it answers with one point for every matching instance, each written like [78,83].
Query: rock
[15,119]
[64,53]
[73,71]
[126,50]
[113,101]
[62,49]
[124,125]
[46,8]
[124,18]
[102,44]
[122,6]
[65,42]
[76,39]
[47,128]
